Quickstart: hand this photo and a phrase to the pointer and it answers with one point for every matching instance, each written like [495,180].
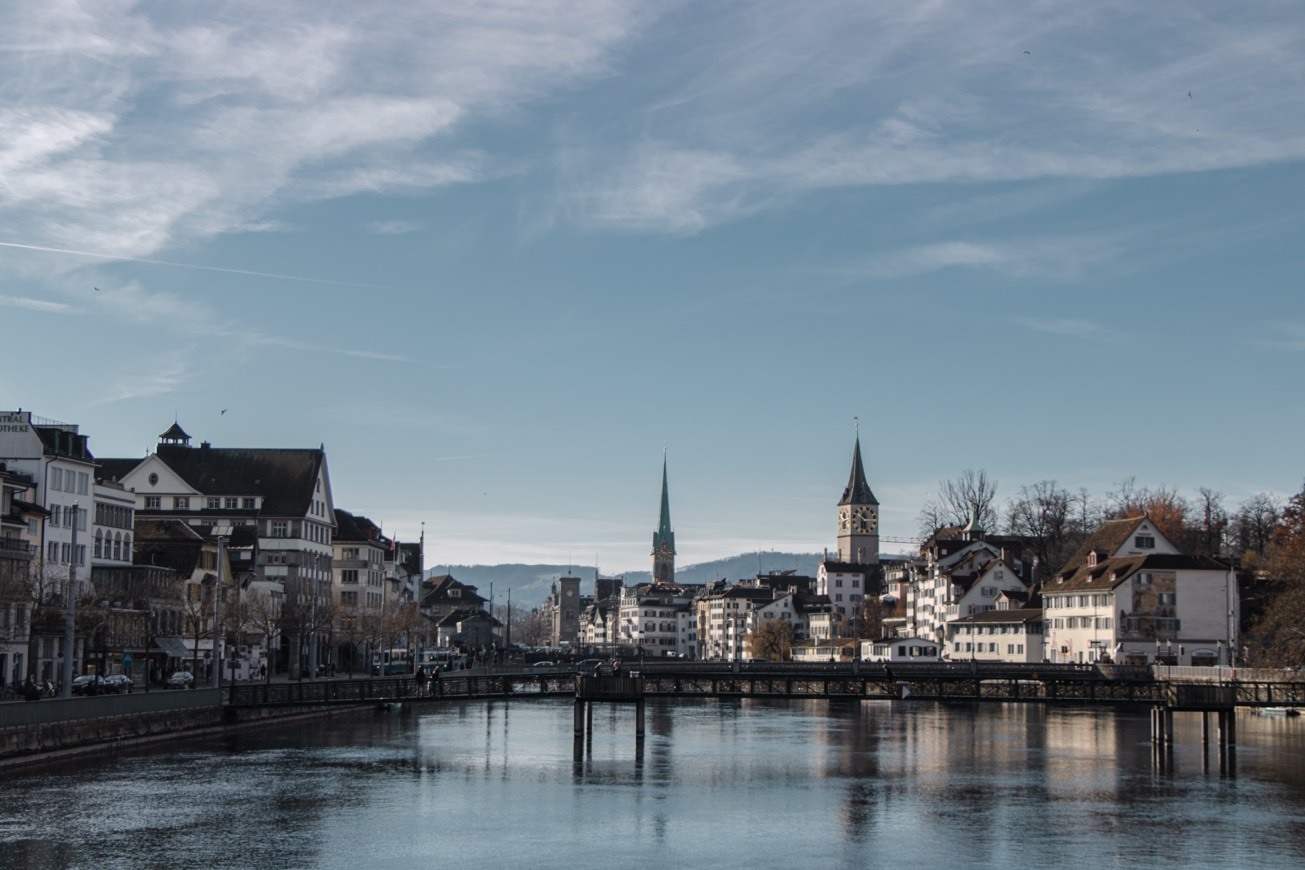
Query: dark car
[180,680]
[88,684]
[118,684]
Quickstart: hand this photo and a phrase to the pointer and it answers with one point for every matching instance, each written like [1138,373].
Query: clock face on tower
[844,519]
[864,519]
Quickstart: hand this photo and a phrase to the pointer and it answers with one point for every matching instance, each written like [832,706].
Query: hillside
[529,584]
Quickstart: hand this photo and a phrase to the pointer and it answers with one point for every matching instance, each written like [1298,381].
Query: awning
[172,647]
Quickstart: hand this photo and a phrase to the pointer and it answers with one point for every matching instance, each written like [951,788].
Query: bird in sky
[97,289]
[1026,52]
[224,410]
[1189,95]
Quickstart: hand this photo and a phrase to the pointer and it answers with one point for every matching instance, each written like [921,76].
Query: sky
[502,258]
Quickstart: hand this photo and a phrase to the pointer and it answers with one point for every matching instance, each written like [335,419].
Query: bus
[391,662]
[444,658]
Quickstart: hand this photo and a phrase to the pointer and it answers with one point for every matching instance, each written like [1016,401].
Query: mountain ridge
[530,583]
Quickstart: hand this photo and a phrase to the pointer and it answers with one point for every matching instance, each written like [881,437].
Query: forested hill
[530,583]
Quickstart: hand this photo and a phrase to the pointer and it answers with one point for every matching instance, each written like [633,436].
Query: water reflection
[733,783]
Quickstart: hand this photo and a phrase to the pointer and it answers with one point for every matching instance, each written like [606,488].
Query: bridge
[942,681]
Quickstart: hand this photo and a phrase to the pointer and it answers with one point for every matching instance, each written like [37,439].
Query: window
[99,543]
[349,599]
[247,504]
[1144,542]
[349,575]
[213,503]
[56,477]
[151,502]
[233,504]
[56,511]
[83,480]
[280,529]
[181,503]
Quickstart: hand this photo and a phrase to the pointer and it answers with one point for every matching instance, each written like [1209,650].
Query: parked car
[118,684]
[587,666]
[181,680]
[88,684]
[544,665]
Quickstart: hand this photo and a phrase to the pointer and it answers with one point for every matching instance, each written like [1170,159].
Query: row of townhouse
[142,545]
[1126,596]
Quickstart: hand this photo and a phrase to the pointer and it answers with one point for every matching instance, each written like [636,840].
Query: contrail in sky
[194,266]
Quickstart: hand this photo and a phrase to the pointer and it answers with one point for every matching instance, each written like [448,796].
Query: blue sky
[497,255]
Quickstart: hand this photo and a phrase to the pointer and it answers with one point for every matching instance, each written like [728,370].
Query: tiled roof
[1109,536]
[1109,573]
[988,617]
[285,478]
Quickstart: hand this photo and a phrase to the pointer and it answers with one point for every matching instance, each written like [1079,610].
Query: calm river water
[717,784]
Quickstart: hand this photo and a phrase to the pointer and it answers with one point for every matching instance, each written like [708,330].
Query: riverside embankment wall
[35,731]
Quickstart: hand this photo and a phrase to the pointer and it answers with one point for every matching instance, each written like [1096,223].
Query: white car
[181,680]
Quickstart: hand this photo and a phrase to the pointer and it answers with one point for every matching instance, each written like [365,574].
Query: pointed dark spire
[664,536]
[857,491]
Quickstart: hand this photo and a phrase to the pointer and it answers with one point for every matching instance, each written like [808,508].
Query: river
[749,784]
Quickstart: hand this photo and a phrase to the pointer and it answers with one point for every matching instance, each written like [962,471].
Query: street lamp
[215,679]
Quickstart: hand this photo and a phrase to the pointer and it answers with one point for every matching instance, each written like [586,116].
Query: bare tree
[1251,527]
[1276,638]
[772,639]
[1044,513]
[1213,520]
[970,499]
[1164,506]
[529,628]
[265,609]
[932,519]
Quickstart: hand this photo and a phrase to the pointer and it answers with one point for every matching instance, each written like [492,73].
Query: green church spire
[663,550]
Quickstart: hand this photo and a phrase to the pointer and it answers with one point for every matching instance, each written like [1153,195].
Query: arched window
[99,543]
[126,548]
[117,546]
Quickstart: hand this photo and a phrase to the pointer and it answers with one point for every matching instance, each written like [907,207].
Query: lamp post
[215,679]
[70,612]
[153,615]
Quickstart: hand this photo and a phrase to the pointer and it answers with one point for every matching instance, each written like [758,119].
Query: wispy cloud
[42,305]
[129,131]
[861,95]
[1285,336]
[159,375]
[394,227]
[1069,326]
[116,258]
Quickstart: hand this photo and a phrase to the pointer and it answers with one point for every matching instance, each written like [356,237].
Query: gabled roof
[286,478]
[1109,573]
[351,528]
[992,617]
[1109,536]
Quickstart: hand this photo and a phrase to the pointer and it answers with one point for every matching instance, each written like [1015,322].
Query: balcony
[15,548]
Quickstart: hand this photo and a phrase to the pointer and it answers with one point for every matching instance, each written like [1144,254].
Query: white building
[997,636]
[1129,596]
[900,649]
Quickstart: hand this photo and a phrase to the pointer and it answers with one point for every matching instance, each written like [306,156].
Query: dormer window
[1092,559]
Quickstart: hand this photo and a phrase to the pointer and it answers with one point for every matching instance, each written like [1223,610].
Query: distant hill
[530,583]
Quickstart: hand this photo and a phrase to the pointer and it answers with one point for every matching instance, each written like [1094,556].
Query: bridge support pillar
[581,708]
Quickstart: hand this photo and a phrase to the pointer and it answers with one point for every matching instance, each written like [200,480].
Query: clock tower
[858,517]
[663,549]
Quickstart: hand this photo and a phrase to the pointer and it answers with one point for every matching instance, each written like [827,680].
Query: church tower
[858,517]
[663,549]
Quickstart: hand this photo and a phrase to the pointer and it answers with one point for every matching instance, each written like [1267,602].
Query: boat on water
[1278,711]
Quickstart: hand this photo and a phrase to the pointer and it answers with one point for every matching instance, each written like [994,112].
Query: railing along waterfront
[943,681]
